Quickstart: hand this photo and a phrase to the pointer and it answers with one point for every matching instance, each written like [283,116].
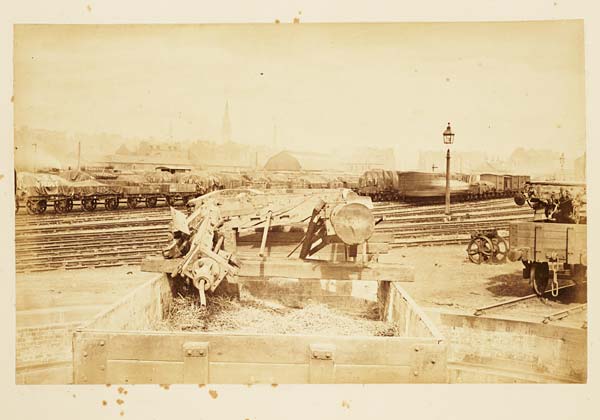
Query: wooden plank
[195,362]
[257,348]
[307,269]
[318,269]
[144,372]
[89,357]
[371,374]
[430,329]
[257,373]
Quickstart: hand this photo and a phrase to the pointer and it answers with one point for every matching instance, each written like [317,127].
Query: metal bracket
[195,362]
[321,365]
[322,351]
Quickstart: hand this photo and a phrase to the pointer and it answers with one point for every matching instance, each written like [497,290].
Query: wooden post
[265,233]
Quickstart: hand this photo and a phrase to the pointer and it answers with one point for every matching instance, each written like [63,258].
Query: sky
[325,86]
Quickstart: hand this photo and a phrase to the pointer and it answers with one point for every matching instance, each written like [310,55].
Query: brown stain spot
[277,21]
[346,404]
[74,396]
[165,386]
[121,413]
[274,385]
[121,389]
[214,394]
[89,8]
[125,392]
[296,20]
[104,402]
[12,99]
[120,401]
[108,385]
[201,385]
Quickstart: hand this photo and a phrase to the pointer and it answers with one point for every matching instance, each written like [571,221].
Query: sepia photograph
[300,203]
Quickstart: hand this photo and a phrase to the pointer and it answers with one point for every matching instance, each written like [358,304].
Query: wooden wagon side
[543,242]
[117,347]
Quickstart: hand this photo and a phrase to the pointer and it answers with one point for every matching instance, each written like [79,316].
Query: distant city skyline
[502,85]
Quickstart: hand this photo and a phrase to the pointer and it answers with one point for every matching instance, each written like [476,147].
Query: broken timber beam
[254,269]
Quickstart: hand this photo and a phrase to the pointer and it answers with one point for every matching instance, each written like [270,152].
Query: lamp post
[448,139]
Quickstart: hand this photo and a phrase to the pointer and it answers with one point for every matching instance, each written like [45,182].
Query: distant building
[146,163]
[580,168]
[283,161]
[365,159]
[303,161]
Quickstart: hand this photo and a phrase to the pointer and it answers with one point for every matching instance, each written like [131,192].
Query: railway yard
[72,267]
[111,238]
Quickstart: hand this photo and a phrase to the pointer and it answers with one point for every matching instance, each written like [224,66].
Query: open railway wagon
[126,343]
[556,242]
[40,190]
[382,185]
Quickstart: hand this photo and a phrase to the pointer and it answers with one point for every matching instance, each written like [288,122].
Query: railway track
[111,238]
[545,308]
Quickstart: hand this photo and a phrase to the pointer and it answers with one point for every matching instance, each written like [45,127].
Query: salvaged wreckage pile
[211,277]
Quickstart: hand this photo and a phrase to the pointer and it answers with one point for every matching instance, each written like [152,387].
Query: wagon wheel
[88,204]
[60,206]
[31,207]
[111,203]
[539,276]
[68,204]
[169,200]
[36,207]
[479,249]
[132,202]
[500,249]
[151,202]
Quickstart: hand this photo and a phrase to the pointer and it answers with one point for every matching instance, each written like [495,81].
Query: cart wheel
[132,202]
[88,204]
[500,249]
[68,204]
[539,276]
[479,249]
[111,203]
[151,202]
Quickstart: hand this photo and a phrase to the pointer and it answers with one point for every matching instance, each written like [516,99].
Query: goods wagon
[556,241]
[41,190]
[425,186]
